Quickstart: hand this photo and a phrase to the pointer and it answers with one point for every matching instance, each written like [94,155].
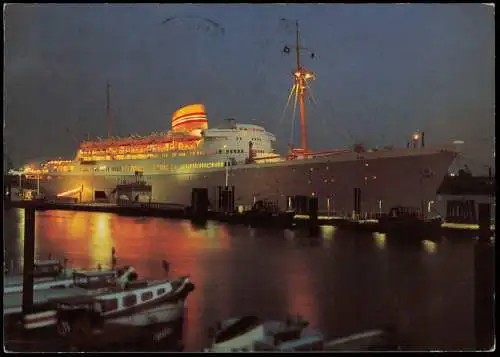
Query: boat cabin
[47,269]
[81,308]
[266,336]
[81,302]
[95,279]
[110,302]
[236,328]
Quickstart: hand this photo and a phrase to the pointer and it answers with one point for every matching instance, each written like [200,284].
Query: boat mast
[300,76]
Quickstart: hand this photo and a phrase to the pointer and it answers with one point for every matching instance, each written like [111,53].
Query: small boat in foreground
[112,309]
[48,274]
[98,280]
[120,313]
[250,334]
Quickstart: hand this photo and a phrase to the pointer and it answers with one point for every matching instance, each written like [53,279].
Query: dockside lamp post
[415,137]
[429,206]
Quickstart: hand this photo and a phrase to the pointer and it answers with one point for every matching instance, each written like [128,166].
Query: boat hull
[406,177]
[153,326]
[163,334]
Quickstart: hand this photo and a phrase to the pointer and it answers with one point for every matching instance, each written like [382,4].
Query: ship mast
[300,77]
[300,82]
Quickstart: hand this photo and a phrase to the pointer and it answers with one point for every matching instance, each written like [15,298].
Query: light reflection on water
[341,282]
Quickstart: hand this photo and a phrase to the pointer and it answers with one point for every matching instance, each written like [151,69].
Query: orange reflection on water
[101,240]
[21,216]
[145,242]
[299,290]
[211,235]
[67,233]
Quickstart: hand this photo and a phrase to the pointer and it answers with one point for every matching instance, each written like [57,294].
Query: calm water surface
[341,282]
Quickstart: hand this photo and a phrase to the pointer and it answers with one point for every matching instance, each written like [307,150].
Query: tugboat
[250,334]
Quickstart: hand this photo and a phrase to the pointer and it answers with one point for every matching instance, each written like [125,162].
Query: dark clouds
[382,71]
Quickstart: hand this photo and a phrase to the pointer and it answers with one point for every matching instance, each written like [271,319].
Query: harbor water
[341,282]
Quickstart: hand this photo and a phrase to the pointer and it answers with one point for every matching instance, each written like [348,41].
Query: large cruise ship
[190,154]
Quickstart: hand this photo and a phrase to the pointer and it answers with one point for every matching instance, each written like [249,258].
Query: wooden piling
[484,282]
[484,272]
[313,216]
[484,218]
[199,205]
[29,259]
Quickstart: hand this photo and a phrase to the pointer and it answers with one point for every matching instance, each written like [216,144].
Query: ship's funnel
[191,118]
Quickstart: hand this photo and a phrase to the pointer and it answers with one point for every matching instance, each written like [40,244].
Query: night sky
[382,71]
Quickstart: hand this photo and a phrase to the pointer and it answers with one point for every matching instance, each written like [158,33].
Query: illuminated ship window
[374,177]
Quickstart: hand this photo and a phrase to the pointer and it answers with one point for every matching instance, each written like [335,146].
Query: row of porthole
[333,180]
[131,300]
[237,151]
[326,168]
[252,139]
